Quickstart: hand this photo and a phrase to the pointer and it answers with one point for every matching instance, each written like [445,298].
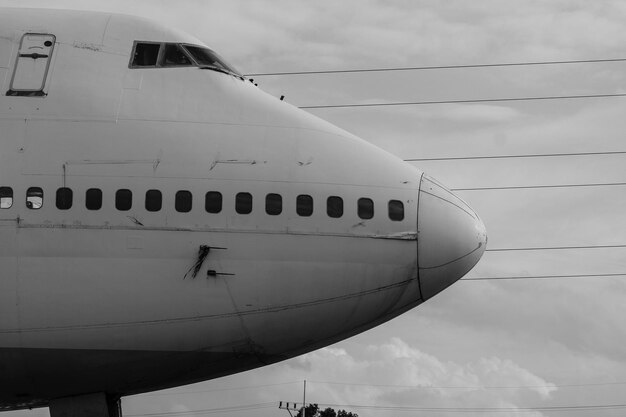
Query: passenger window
[334,207]
[304,205]
[366,208]
[213,202]
[93,199]
[154,200]
[64,198]
[34,198]
[183,201]
[175,56]
[123,200]
[396,210]
[6,197]
[243,203]
[273,204]
[146,54]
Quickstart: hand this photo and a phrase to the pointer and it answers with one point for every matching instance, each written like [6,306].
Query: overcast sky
[559,341]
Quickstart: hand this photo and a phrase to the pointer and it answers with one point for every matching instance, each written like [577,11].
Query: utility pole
[294,406]
[304,400]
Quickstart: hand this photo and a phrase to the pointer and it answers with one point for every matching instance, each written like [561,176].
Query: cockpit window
[163,55]
[146,54]
[175,56]
[208,59]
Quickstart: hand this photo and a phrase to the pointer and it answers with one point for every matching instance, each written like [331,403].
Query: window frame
[11,197]
[390,210]
[87,199]
[117,199]
[134,51]
[300,206]
[239,196]
[32,206]
[161,56]
[360,209]
[179,47]
[150,197]
[206,201]
[68,199]
[276,203]
[328,206]
[183,47]
[224,66]
[179,199]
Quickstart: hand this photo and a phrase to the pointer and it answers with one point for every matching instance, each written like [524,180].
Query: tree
[328,412]
[344,413]
[313,410]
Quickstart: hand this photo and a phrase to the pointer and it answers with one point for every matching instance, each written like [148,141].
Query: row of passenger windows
[213,200]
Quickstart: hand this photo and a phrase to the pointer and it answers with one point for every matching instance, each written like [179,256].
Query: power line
[555,248]
[470,386]
[249,407]
[465,101]
[481,409]
[488,387]
[545,155]
[436,67]
[245,407]
[544,277]
[222,389]
[426,387]
[531,187]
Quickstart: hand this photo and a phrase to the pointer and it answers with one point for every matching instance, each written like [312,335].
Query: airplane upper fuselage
[118,177]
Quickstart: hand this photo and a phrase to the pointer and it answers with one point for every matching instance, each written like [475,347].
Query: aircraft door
[32,64]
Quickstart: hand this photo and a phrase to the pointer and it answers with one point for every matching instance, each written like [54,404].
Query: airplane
[163,221]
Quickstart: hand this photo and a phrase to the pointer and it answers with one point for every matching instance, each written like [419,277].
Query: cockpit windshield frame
[179,53]
[218,63]
[143,57]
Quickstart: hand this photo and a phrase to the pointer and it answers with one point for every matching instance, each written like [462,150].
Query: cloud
[474,334]
[401,375]
[475,114]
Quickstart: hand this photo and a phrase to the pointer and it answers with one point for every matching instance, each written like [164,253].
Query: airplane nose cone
[451,237]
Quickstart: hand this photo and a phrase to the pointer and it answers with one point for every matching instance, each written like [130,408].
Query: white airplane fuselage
[310,234]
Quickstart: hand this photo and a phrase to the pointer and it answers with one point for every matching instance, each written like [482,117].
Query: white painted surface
[115,280]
